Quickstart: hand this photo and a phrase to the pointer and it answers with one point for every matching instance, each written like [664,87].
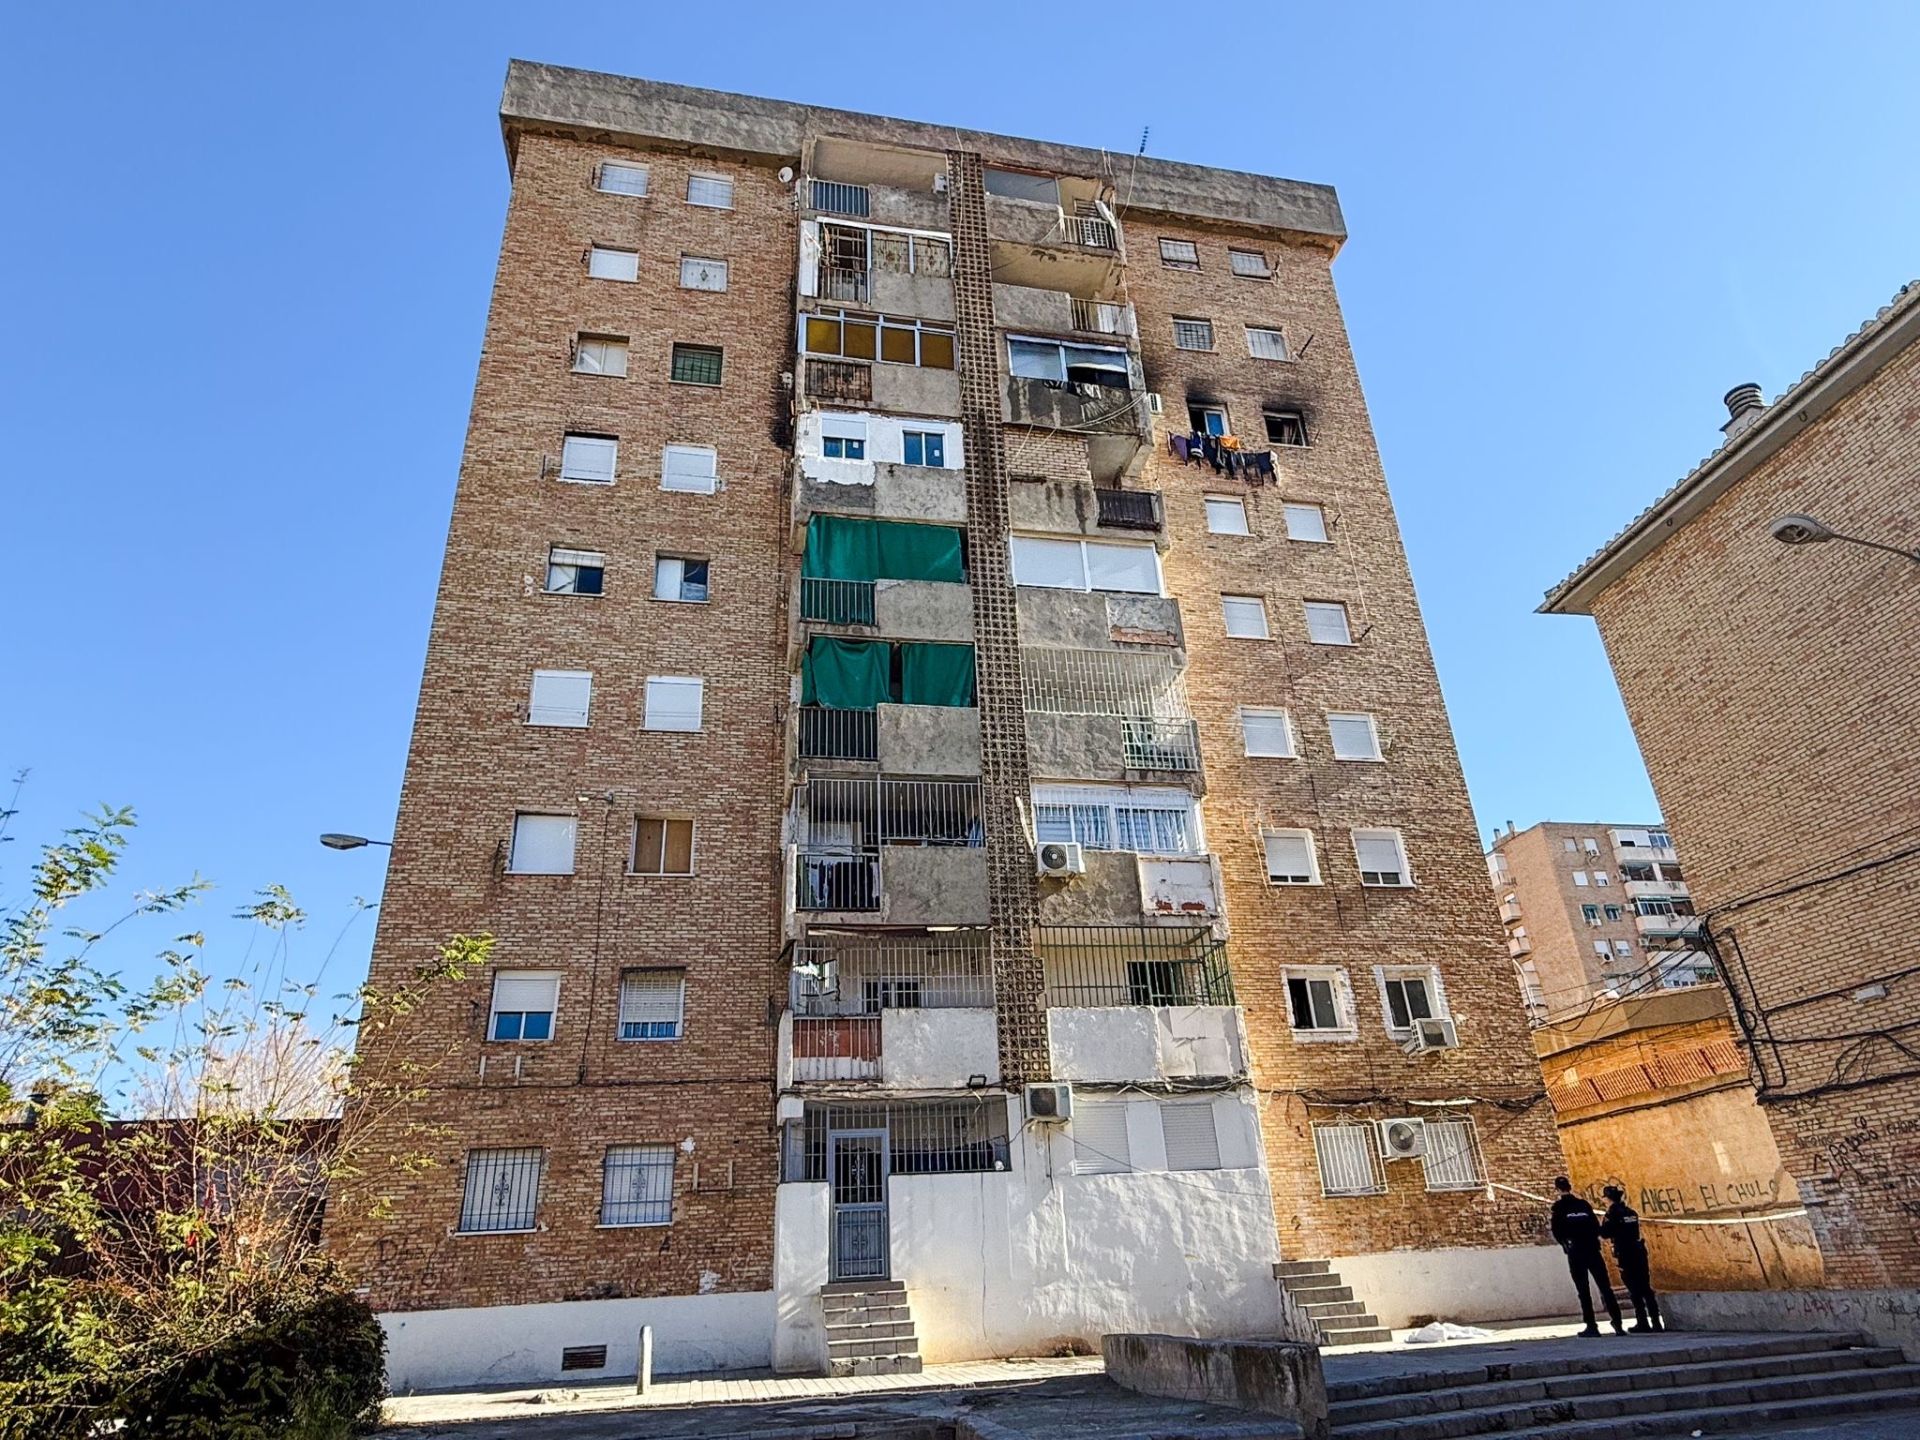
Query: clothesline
[1255,467]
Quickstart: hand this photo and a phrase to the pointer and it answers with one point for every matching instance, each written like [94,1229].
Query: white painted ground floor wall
[1466,1286]
[1017,1262]
[521,1344]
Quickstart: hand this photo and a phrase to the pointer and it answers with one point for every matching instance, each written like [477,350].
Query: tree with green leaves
[166,1148]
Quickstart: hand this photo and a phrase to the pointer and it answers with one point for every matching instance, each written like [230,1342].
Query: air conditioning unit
[1154,403]
[1049,1104]
[1403,1139]
[1431,1035]
[1060,858]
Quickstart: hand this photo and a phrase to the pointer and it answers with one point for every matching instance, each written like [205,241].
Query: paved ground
[1061,1399]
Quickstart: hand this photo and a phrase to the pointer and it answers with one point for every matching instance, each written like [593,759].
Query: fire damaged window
[1286,427]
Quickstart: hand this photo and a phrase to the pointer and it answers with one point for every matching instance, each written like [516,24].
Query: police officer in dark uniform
[1622,1227]
[1577,1229]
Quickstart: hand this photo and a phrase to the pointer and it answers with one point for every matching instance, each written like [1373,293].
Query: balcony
[911,1013]
[1518,945]
[1170,745]
[845,382]
[1147,1043]
[874,182]
[896,851]
[1105,714]
[1099,622]
[1056,312]
[899,739]
[1098,966]
[929,610]
[1127,509]
[1656,889]
[1122,888]
[1510,912]
[879,490]
[1666,924]
[1081,407]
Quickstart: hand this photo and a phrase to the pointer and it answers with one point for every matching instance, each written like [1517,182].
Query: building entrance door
[857,1180]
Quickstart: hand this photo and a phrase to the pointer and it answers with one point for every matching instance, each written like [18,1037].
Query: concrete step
[877,1345]
[864,1287]
[1448,1398]
[1885,1407]
[1287,1269]
[1320,1294]
[1373,1334]
[890,1330]
[860,1314]
[1626,1409]
[875,1365]
[1323,1309]
[1605,1353]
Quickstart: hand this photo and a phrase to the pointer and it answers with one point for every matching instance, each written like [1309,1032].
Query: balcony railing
[1100,965]
[1134,683]
[1090,231]
[837,878]
[1128,509]
[839,380]
[939,972]
[827,734]
[838,282]
[1098,317]
[838,1047]
[836,602]
[856,813]
[1160,744]
[835,197]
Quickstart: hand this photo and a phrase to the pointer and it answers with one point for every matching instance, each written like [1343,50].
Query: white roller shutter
[1192,1143]
[1100,1138]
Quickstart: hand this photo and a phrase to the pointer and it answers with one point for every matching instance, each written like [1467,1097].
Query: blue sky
[248,249]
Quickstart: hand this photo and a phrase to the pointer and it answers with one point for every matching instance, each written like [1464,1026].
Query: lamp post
[335,841]
[1805,530]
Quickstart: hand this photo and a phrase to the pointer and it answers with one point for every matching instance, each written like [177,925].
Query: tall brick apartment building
[927,691]
[1594,910]
[1775,691]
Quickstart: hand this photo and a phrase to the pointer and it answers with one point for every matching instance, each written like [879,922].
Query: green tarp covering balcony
[842,548]
[860,674]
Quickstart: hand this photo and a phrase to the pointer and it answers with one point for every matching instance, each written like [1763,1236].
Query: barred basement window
[502,1190]
[1349,1158]
[636,1185]
[652,1004]
[697,364]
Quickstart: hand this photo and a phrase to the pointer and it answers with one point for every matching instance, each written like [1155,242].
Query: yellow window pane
[679,848]
[936,350]
[823,336]
[896,345]
[859,339]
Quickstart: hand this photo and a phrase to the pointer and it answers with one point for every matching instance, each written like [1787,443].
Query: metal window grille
[1059,681]
[697,364]
[861,812]
[1349,1158]
[1193,334]
[1160,744]
[1266,344]
[937,1137]
[827,734]
[1098,317]
[839,380]
[1091,231]
[636,1185]
[848,977]
[1104,965]
[844,283]
[1128,509]
[502,1189]
[1180,254]
[1453,1156]
[834,197]
[836,602]
[652,1004]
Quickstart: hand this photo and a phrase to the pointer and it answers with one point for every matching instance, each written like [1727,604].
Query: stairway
[1672,1384]
[869,1328]
[1327,1300]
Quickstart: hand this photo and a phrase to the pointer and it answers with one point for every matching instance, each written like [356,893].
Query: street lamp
[1805,530]
[335,841]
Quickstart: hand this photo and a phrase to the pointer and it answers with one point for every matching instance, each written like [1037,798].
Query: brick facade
[1445,920]
[1775,693]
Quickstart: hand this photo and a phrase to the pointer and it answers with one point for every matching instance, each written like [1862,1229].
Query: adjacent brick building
[1775,692]
[1593,911]
[927,691]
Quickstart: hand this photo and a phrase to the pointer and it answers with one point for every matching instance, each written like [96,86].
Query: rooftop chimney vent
[1744,406]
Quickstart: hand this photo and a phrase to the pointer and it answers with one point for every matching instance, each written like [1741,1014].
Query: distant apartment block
[1593,911]
[927,691]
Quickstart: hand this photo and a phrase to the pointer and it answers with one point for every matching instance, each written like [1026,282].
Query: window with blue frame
[523,1005]
[652,1004]
[843,447]
[924,447]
